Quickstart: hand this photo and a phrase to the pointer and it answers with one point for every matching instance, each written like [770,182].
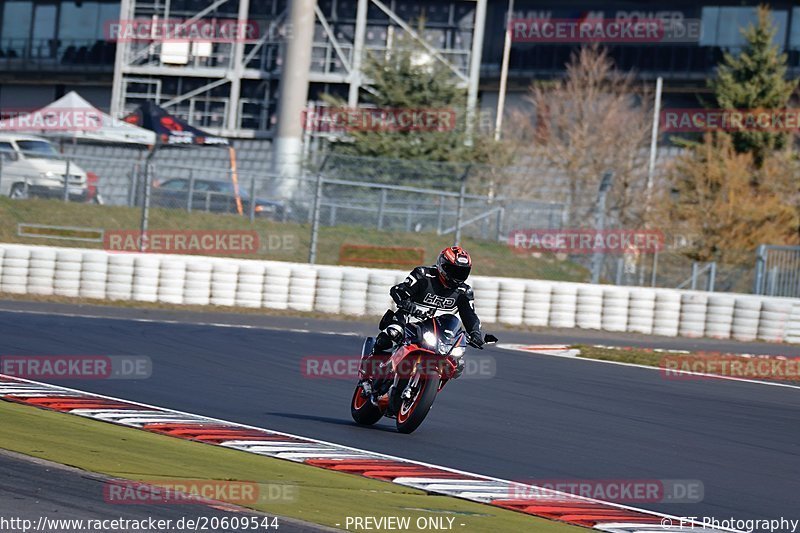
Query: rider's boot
[388,338]
[382,343]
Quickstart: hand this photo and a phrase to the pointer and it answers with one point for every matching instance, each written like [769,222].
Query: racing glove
[407,306]
[476,338]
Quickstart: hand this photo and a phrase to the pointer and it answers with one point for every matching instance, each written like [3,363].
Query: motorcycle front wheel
[414,410]
[362,410]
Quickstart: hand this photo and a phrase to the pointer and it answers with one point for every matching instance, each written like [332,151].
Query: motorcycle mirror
[489,339]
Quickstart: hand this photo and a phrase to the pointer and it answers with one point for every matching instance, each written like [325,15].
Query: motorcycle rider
[440,288]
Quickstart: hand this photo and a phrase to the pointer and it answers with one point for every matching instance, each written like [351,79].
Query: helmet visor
[456,272]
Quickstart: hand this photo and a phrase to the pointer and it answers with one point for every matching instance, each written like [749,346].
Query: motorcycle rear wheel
[362,410]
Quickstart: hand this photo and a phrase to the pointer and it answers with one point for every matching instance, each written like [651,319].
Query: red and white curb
[579,511]
[560,350]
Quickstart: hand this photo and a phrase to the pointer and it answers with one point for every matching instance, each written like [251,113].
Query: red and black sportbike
[403,384]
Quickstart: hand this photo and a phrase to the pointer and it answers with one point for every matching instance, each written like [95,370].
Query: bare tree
[594,120]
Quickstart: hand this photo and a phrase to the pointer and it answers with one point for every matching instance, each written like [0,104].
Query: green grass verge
[717,363]
[320,496]
[290,241]
[622,355]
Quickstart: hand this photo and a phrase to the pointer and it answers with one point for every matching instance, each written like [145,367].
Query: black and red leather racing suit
[425,291]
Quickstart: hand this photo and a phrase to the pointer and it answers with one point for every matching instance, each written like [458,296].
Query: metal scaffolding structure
[232,88]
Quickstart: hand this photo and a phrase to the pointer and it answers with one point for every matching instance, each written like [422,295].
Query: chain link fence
[448,200]
[217,189]
[391,195]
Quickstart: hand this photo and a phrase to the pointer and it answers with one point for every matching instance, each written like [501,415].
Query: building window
[794,31]
[723,26]
[86,21]
[16,20]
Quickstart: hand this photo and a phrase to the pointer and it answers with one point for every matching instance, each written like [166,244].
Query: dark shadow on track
[329,420]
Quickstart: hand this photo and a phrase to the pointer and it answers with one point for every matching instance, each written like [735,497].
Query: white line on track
[181,322]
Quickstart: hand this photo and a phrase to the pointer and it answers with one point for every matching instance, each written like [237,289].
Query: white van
[31,166]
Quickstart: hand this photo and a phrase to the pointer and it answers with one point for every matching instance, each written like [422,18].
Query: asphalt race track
[539,418]
[34,490]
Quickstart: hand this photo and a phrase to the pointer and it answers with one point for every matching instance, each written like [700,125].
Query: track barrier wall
[201,280]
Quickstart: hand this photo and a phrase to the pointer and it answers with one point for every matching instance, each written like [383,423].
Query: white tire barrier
[276,286]
[171,280]
[615,309]
[378,298]
[563,305]
[746,313]
[693,314]
[511,302]
[197,285]
[94,274]
[487,296]
[224,275]
[400,277]
[537,303]
[329,290]
[68,273]
[145,278]
[302,288]
[41,271]
[119,280]
[589,307]
[667,315]
[719,316]
[354,291]
[250,286]
[774,319]
[793,329]
[641,310]
[196,280]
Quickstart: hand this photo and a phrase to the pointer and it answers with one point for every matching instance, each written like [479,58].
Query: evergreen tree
[408,77]
[754,79]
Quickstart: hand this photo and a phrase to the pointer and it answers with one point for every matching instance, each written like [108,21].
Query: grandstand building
[231,87]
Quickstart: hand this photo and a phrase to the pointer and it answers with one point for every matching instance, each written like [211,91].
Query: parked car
[214,196]
[31,166]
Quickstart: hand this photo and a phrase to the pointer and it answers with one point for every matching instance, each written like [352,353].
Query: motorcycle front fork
[376,399]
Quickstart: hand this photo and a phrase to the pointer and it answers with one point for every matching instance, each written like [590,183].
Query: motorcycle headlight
[429,338]
[458,351]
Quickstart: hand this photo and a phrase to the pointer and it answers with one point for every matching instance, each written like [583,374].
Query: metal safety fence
[401,197]
[448,201]
[777,271]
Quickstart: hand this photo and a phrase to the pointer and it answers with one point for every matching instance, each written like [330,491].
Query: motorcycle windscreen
[448,327]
